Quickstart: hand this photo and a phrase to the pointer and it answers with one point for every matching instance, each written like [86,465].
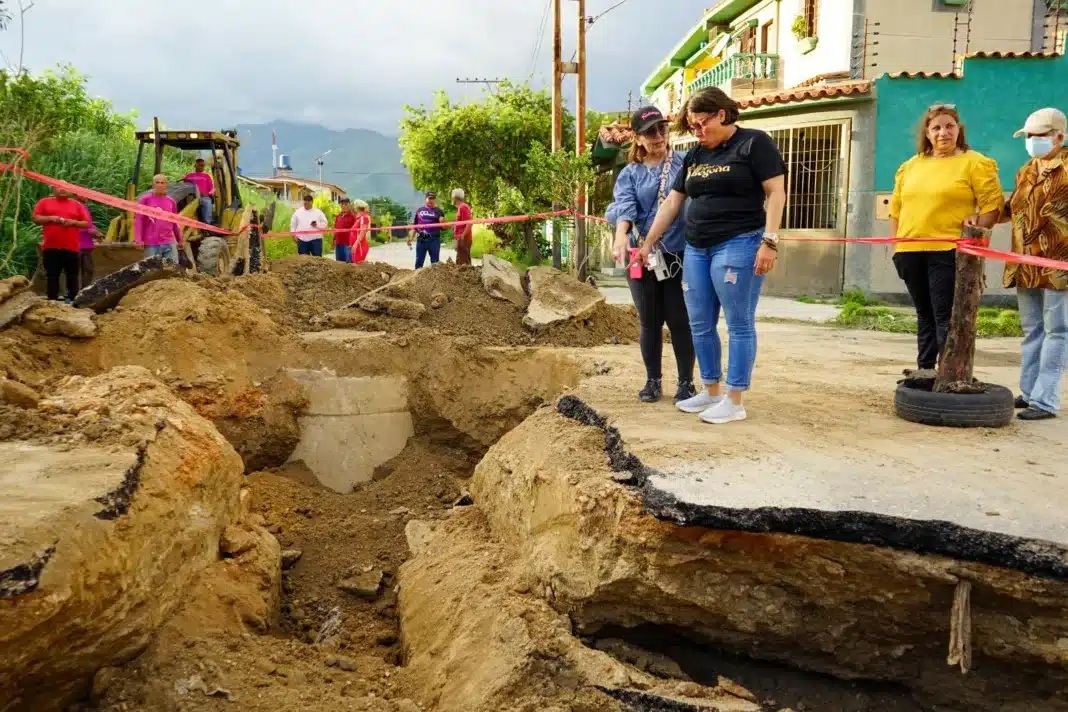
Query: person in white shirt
[308,217]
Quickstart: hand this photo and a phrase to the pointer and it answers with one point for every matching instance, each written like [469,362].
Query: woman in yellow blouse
[935,191]
[1038,209]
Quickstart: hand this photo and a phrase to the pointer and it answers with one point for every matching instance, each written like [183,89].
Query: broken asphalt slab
[834,502]
[107,292]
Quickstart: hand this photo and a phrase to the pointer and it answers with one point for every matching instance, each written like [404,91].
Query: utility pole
[558,106]
[580,140]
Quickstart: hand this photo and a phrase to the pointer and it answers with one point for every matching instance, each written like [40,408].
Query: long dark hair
[707,101]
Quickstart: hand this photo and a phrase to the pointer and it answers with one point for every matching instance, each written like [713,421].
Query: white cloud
[342,63]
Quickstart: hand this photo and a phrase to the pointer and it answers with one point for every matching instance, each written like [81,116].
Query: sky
[339,63]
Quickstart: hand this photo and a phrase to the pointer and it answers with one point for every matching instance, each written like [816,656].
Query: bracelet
[768,243]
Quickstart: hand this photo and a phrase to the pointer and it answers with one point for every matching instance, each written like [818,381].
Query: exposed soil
[457,304]
[298,291]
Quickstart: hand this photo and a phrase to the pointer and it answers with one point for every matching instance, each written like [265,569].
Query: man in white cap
[464,233]
[1038,210]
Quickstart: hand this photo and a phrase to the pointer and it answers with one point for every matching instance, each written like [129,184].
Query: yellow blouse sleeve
[987,187]
[895,201]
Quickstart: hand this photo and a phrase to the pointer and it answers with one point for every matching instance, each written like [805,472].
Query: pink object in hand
[635,266]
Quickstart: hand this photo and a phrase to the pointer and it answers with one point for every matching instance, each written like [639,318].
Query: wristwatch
[771,240]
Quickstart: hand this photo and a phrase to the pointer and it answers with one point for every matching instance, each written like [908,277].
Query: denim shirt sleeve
[625,197]
[675,238]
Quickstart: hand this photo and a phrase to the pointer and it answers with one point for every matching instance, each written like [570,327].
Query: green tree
[383,205]
[5,15]
[471,145]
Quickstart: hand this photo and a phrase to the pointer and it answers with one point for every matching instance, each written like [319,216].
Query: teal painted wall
[994,97]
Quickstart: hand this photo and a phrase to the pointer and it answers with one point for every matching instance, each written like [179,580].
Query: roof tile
[807,93]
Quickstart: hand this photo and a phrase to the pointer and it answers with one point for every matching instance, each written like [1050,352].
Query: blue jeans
[167,252]
[310,247]
[723,276]
[427,247]
[207,204]
[1044,317]
[343,253]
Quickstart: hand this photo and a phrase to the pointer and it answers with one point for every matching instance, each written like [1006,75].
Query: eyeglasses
[658,130]
[938,107]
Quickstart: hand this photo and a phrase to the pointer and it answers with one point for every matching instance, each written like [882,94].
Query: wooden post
[558,105]
[157,146]
[580,142]
[958,358]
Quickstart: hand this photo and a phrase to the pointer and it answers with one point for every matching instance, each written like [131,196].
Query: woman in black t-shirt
[731,243]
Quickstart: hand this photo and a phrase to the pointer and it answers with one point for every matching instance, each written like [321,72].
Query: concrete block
[344,450]
[330,395]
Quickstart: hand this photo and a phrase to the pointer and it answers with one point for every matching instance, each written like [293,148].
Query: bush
[483,242]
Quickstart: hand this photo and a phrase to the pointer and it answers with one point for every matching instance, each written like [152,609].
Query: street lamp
[319,160]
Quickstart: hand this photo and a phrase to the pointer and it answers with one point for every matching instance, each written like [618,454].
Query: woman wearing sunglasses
[935,192]
[731,243]
[640,189]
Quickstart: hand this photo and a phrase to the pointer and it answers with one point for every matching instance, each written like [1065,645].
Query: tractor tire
[213,257]
[183,193]
[992,408]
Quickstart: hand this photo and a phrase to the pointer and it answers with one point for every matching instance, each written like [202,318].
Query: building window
[812,14]
[815,174]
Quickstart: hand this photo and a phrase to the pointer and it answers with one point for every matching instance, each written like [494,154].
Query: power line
[540,38]
[594,18]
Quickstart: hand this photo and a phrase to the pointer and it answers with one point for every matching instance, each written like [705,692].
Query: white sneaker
[700,402]
[723,412]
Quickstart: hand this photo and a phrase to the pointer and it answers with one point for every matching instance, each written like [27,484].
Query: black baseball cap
[646,118]
[431,194]
[344,200]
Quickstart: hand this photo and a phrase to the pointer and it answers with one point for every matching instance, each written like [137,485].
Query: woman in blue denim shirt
[641,187]
[731,243]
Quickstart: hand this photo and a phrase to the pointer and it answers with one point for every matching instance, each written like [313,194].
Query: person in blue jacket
[652,167]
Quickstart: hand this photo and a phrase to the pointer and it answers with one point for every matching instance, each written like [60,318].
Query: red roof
[808,93]
[924,75]
[1015,55]
[615,134]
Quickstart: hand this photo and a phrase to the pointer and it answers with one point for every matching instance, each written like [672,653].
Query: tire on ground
[213,258]
[990,409]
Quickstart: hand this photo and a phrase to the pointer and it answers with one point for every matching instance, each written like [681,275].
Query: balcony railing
[744,65]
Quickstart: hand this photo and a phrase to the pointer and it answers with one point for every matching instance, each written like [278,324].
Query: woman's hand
[971,221]
[643,253]
[619,250]
[765,260]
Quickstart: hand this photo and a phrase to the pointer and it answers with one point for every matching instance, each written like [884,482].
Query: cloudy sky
[341,63]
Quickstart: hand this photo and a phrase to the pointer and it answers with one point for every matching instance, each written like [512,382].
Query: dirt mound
[456,303]
[299,291]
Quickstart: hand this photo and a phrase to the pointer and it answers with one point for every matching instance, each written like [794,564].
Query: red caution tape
[967,246]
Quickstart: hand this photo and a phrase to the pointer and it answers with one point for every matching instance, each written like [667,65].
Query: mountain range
[365,163]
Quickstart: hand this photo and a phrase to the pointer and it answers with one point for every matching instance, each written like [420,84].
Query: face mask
[1039,146]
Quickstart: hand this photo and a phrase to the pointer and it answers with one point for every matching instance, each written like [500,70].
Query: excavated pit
[426,524]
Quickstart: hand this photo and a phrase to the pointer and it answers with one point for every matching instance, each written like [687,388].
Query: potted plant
[805,41]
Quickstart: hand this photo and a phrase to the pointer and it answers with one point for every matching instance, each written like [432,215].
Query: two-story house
[817,74]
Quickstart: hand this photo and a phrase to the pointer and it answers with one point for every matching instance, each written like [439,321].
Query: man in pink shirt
[159,237]
[202,180]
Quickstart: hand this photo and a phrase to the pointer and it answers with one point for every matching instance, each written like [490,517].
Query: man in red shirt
[61,219]
[464,233]
[343,232]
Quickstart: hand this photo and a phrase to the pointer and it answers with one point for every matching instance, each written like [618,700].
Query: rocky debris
[341,662]
[59,319]
[12,309]
[116,573]
[837,608]
[290,557]
[503,281]
[106,292]
[331,628]
[419,534]
[465,500]
[235,541]
[13,285]
[556,297]
[482,647]
[438,300]
[388,303]
[18,394]
[365,584]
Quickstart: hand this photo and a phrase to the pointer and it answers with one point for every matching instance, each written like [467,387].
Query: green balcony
[744,65]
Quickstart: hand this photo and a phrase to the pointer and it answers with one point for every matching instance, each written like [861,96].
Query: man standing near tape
[464,233]
[61,218]
[428,239]
[159,237]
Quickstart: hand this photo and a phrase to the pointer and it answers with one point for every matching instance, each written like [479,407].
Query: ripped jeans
[723,277]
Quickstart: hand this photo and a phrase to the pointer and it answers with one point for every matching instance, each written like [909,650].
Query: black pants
[87,268]
[659,302]
[930,278]
[57,261]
